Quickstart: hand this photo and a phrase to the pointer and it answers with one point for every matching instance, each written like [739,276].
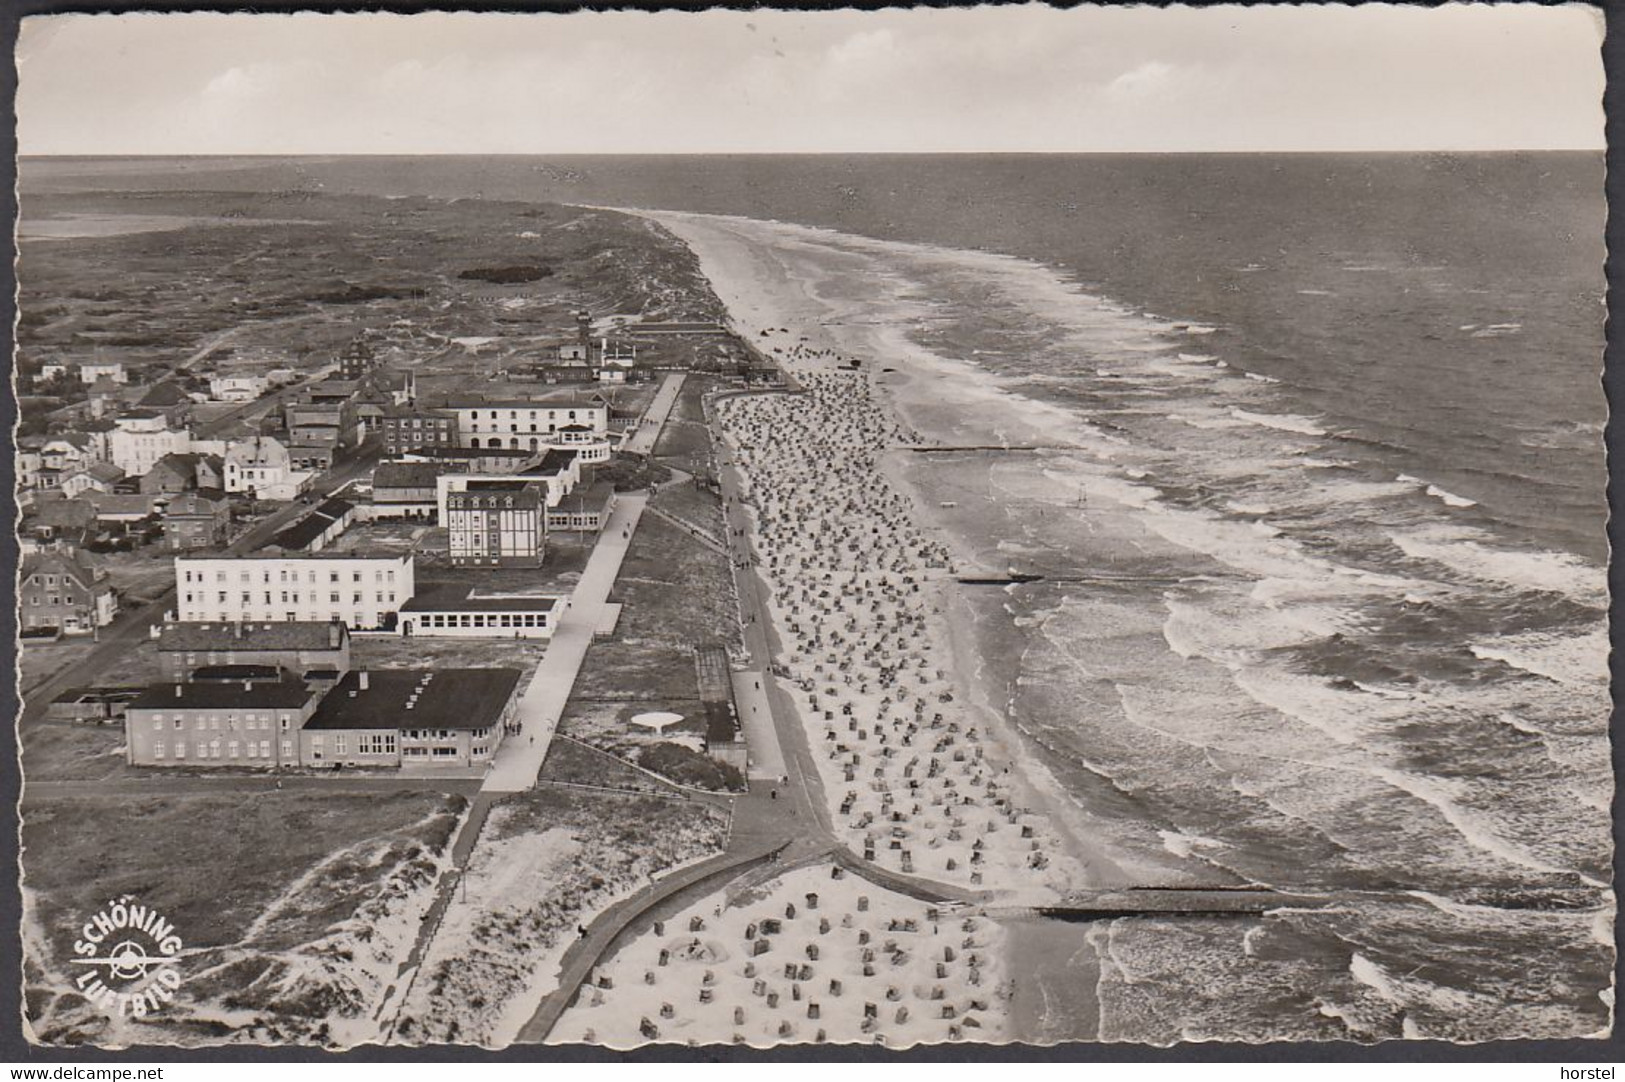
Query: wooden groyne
[1162,902]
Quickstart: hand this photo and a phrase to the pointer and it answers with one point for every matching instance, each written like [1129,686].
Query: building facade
[457,612]
[57,590]
[365,592]
[412,717]
[140,440]
[262,467]
[409,429]
[218,724]
[496,523]
[525,425]
[195,522]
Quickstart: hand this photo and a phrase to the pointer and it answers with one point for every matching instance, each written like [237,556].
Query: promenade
[642,442]
[519,760]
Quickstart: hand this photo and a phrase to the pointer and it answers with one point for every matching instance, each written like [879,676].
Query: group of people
[853,591]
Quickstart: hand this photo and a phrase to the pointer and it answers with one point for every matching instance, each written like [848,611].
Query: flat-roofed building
[300,647]
[458,612]
[586,509]
[412,718]
[365,592]
[497,523]
[218,724]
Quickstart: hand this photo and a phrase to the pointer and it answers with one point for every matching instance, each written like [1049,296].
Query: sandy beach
[922,774]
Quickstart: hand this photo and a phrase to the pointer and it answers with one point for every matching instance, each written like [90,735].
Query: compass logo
[127,953]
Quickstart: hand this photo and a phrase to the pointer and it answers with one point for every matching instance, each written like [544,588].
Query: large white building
[140,440]
[528,425]
[363,591]
[263,466]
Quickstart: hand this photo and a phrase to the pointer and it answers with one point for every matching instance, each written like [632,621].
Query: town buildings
[95,477]
[305,649]
[91,371]
[60,590]
[185,472]
[238,388]
[218,724]
[526,424]
[496,523]
[262,467]
[586,509]
[458,612]
[317,530]
[194,522]
[140,438]
[404,490]
[409,428]
[412,717]
[363,591]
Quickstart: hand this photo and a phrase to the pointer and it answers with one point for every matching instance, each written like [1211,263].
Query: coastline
[764,292]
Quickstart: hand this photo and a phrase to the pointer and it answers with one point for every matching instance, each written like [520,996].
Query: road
[131,628]
[654,418]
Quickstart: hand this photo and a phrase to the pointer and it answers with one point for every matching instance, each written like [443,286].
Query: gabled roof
[57,563]
[164,394]
[101,471]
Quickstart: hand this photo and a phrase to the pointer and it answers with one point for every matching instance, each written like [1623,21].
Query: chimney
[333,637]
[361,679]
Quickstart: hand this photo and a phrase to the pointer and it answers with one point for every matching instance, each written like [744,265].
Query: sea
[1313,528]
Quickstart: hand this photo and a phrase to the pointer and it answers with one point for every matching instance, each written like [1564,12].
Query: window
[158,750]
[157,721]
[287,749]
[340,744]
[180,749]
[231,749]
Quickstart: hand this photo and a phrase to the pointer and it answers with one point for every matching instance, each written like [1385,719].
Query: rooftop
[454,597]
[405,475]
[464,454]
[417,699]
[223,696]
[198,637]
[229,673]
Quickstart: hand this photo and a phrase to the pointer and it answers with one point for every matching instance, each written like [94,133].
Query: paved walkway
[519,760]
[765,759]
[654,418]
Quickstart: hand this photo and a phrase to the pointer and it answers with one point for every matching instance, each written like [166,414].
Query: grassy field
[263,889]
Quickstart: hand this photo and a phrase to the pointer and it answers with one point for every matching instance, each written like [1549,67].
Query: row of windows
[356,619]
[249,749]
[480,619]
[212,721]
[387,597]
[287,577]
[438,753]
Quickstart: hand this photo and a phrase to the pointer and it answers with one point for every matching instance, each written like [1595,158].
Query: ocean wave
[1573,659]
[1449,498]
[1465,552]
[1281,422]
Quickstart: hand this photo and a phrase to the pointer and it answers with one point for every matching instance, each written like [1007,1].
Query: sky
[1018,78]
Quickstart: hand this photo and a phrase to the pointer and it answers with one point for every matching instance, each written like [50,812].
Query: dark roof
[504,484]
[405,475]
[466,453]
[334,508]
[301,533]
[233,696]
[111,693]
[441,699]
[198,636]
[555,460]
[184,461]
[55,563]
[237,672]
[164,394]
[452,597]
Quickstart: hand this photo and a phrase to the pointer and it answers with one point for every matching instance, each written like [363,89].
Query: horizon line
[783,153]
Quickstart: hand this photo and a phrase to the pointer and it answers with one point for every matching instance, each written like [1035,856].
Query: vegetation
[514,275]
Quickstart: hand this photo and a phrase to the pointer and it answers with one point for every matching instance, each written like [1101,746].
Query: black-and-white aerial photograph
[981,526]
